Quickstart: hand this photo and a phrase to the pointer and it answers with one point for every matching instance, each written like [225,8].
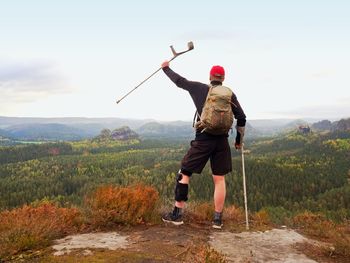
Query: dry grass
[261,221]
[34,227]
[314,225]
[31,227]
[200,212]
[206,254]
[233,217]
[131,205]
[318,227]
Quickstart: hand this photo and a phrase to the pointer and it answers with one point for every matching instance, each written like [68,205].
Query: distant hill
[50,131]
[77,122]
[326,125]
[342,125]
[4,133]
[281,126]
[272,127]
[20,128]
[123,133]
[251,132]
[176,130]
[81,128]
[4,141]
[294,125]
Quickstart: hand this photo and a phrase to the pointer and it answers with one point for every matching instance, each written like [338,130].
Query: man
[205,146]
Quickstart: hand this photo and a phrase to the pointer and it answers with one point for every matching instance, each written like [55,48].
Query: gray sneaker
[217,223]
[174,219]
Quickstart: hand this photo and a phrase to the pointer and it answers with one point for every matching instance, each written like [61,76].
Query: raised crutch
[176,54]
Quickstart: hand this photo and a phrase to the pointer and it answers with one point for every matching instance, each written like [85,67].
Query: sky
[283,59]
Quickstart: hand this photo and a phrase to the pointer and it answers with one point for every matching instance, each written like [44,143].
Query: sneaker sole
[173,222]
[217,227]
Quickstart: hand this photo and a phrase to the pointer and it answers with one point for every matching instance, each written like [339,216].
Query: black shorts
[217,150]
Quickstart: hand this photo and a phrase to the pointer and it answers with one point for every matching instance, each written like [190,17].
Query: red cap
[217,71]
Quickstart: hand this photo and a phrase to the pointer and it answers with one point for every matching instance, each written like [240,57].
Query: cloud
[29,80]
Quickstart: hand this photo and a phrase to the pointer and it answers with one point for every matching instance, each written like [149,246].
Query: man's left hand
[238,146]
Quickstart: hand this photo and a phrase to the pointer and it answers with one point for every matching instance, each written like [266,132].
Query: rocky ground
[186,243]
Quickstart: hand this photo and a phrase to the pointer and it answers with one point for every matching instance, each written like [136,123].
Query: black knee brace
[181,190]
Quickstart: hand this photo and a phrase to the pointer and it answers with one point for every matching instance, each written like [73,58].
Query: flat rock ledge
[110,240]
[276,245]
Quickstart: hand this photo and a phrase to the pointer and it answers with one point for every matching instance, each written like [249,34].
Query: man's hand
[165,64]
[239,137]
[238,146]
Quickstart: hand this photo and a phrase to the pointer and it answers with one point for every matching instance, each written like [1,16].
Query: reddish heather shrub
[234,214]
[314,224]
[261,218]
[201,211]
[31,227]
[341,242]
[318,226]
[205,254]
[131,205]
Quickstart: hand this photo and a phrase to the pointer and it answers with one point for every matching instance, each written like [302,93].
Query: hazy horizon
[308,119]
[76,58]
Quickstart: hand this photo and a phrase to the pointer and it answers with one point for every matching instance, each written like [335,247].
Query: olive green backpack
[217,116]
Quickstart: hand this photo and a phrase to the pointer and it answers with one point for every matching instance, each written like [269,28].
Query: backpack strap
[209,91]
[194,117]
[196,114]
[233,104]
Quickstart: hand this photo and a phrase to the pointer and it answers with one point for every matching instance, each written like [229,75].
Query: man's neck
[215,82]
